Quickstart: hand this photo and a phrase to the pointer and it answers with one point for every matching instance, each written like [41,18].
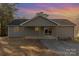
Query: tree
[6,15]
[42,14]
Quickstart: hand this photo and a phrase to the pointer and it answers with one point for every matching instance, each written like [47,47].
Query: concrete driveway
[66,48]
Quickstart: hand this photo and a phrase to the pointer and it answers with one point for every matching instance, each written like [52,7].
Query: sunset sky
[60,10]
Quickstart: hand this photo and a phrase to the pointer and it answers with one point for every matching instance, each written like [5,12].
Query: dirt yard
[24,47]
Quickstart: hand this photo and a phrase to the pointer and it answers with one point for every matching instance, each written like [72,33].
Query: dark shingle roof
[63,22]
[17,21]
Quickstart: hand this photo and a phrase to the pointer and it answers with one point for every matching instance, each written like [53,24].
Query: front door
[48,31]
[43,30]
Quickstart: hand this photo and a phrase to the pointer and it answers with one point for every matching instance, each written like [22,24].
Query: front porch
[40,32]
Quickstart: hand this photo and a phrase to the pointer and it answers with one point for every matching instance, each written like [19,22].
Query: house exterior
[41,28]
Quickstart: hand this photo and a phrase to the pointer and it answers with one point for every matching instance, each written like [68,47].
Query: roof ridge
[54,22]
[25,21]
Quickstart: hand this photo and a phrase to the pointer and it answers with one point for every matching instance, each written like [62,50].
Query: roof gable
[38,21]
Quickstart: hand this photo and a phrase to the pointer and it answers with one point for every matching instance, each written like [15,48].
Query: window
[18,29]
[37,29]
[48,31]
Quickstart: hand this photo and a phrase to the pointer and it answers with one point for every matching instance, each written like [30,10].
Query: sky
[54,10]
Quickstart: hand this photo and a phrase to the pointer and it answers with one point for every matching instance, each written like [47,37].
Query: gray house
[41,28]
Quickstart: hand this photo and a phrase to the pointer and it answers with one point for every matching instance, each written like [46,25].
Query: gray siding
[28,31]
[31,32]
[65,31]
[12,33]
[61,31]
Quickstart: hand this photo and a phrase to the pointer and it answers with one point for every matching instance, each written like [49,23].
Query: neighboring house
[41,28]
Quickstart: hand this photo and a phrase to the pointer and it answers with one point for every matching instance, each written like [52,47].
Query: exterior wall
[28,31]
[54,31]
[31,32]
[62,32]
[65,32]
[12,33]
